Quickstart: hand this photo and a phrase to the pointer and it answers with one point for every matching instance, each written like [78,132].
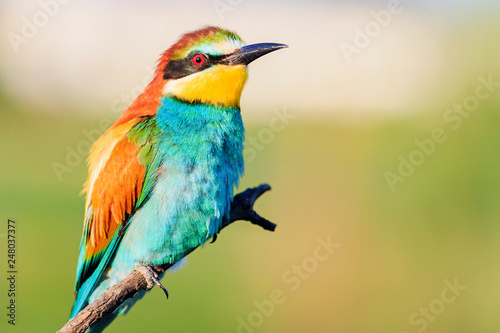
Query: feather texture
[161,179]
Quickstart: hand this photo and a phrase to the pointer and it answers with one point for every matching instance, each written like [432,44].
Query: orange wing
[116,179]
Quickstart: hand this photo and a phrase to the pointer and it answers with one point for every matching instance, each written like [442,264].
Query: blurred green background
[398,247]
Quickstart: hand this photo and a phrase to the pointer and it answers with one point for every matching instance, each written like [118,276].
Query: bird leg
[151,277]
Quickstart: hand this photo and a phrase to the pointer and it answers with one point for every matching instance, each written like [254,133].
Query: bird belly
[184,211]
[200,166]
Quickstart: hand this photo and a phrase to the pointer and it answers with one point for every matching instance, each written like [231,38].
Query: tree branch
[241,209]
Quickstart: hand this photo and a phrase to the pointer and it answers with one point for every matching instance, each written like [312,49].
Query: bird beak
[249,53]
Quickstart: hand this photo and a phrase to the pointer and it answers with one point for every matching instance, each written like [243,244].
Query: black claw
[214,238]
[151,277]
[164,290]
[159,284]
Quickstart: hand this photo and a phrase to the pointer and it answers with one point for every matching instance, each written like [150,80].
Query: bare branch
[241,209]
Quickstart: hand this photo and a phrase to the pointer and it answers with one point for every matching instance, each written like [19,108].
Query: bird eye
[198,59]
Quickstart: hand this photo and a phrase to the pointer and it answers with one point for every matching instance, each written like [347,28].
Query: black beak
[249,53]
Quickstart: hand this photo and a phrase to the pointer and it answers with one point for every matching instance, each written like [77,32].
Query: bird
[161,178]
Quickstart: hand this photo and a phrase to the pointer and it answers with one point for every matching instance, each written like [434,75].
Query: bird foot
[151,277]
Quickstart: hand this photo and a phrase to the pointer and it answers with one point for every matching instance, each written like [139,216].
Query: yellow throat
[221,85]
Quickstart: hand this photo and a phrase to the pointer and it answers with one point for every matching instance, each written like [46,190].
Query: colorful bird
[161,179]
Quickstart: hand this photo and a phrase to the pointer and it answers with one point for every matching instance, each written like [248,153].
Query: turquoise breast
[200,150]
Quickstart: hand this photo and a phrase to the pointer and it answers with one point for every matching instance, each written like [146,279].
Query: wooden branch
[241,209]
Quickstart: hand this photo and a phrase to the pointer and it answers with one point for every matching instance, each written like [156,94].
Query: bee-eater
[161,179]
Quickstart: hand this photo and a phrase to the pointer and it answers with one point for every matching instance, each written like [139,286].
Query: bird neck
[147,103]
[206,138]
[186,120]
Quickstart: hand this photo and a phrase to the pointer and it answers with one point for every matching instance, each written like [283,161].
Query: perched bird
[161,179]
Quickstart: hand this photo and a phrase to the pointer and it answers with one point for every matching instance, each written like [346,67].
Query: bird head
[210,66]
[207,66]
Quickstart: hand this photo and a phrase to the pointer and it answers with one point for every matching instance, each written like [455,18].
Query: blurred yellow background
[378,130]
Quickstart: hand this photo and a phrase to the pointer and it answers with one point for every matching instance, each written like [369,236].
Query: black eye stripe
[179,68]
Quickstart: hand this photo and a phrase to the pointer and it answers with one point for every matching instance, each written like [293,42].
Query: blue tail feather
[90,284]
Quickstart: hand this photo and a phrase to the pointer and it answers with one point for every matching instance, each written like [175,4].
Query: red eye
[198,59]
